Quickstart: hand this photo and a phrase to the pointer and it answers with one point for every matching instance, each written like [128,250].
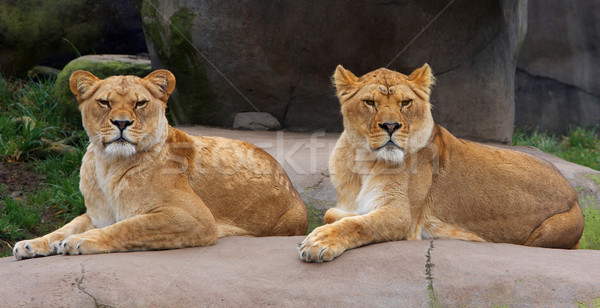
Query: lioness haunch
[400,176]
[150,186]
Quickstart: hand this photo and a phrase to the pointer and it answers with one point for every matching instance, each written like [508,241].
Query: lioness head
[386,112]
[124,115]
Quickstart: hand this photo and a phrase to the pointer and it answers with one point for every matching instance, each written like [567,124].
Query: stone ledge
[242,271]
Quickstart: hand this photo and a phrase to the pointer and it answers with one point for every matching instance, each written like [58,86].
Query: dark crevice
[570,86]
[318,184]
[82,289]
[290,100]
[429,276]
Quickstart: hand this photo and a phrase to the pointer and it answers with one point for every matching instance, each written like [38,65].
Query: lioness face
[389,112]
[123,115]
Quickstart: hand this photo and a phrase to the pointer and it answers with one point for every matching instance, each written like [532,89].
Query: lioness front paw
[323,244]
[32,249]
[78,245]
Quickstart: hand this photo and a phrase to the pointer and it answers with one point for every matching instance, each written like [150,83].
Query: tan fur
[440,187]
[162,188]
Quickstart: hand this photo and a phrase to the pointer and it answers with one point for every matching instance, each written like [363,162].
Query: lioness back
[226,170]
[480,186]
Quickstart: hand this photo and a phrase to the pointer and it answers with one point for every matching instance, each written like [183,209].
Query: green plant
[32,131]
[542,141]
[315,218]
[62,190]
[16,219]
[580,145]
[591,233]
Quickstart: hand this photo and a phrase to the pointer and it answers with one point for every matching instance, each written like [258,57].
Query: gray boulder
[558,68]
[258,272]
[232,57]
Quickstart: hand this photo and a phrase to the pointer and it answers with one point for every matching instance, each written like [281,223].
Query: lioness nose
[121,124]
[390,127]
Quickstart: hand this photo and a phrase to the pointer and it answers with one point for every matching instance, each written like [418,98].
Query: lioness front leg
[48,244]
[164,228]
[334,214]
[329,241]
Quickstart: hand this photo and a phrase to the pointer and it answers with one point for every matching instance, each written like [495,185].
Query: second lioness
[398,175]
[148,185]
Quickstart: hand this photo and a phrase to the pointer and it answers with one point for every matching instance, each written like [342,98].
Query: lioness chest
[117,191]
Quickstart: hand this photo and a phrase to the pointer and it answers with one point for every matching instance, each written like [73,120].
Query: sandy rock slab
[242,271]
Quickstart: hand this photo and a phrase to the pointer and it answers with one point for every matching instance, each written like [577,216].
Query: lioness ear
[164,80]
[343,80]
[423,78]
[81,82]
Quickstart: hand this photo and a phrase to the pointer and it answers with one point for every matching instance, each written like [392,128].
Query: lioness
[150,186]
[400,176]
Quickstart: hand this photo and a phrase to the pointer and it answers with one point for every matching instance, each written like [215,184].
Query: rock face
[102,66]
[241,271]
[52,33]
[279,57]
[558,68]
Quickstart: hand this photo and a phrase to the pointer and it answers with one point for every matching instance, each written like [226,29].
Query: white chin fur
[120,149]
[391,156]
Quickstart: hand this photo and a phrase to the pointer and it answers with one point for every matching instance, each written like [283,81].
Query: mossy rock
[102,66]
[169,38]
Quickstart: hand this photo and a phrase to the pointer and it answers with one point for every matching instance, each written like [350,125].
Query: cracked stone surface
[242,271]
[468,274]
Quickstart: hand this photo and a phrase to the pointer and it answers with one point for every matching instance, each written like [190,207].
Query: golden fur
[400,176]
[150,186]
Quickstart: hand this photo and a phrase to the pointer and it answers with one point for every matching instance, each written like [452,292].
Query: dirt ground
[18,179]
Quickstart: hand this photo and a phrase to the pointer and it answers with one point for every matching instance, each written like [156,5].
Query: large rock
[232,57]
[102,66]
[256,272]
[558,68]
[54,32]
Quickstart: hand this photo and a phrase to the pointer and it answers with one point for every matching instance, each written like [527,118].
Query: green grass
[315,218]
[590,239]
[33,131]
[580,145]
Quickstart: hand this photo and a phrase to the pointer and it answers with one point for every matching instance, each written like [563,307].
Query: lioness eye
[104,103]
[140,104]
[369,102]
[406,102]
